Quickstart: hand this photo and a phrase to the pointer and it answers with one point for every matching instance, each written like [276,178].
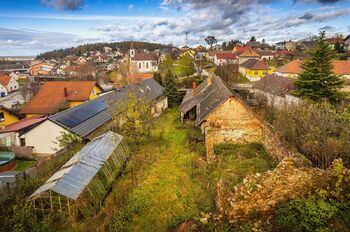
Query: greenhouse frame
[82,183]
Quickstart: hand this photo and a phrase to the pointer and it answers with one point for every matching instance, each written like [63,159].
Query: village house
[240,48]
[10,135]
[81,60]
[143,62]
[254,69]
[276,90]
[41,69]
[8,84]
[217,47]
[222,116]
[54,96]
[225,58]
[347,43]
[333,41]
[287,45]
[293,68]
[8,116]
[249,54]
[266,55]
[86,119]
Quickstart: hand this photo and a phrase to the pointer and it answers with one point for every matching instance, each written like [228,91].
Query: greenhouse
[80,185]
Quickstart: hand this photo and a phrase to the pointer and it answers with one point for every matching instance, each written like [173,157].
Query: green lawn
[22,165]
[168,180]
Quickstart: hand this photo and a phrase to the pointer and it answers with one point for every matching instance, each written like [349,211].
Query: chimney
[194,89]
[65,92]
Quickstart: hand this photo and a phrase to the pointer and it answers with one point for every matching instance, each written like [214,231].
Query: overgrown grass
[236,161]
[167,187]
[22,165]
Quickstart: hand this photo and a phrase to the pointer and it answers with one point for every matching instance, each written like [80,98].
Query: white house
[81,60]
[9,83]
[43,145]
[225,58]
[144,62]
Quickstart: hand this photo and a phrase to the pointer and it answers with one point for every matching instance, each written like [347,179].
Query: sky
[29,27]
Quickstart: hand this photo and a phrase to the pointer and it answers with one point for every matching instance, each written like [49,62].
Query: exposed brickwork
[232,122]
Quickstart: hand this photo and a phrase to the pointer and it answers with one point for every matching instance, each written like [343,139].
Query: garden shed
[80,185]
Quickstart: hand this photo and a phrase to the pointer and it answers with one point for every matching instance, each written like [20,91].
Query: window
[2,117]
[147,65]
[139,65]
[256,72]
[22,142]
[93,92]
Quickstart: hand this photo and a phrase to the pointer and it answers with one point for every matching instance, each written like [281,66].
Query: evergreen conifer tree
[158,78]
[170,89]
[318,82]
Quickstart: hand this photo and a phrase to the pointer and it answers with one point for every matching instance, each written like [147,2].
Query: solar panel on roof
[75,117]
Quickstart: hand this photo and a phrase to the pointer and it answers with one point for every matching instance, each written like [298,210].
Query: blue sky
[28,27]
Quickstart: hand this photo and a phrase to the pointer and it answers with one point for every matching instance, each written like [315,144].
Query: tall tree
[170,89]
[185,66]
[166,63]
[158,78]
[253,39]
[211,40]
[318,82]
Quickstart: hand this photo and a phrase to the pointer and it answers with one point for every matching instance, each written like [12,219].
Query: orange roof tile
[249,53]
[238,48]
[293,67]
[340,67]
[136,77]
[4,79]
[50,97]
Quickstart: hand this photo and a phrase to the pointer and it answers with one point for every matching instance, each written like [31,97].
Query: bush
[317,131]
[307,214]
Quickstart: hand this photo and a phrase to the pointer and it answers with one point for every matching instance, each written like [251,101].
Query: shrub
[306,214]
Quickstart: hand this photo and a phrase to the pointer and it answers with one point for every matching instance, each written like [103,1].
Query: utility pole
[186,37]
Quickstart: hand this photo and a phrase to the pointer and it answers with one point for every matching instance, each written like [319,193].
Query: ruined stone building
[222,116]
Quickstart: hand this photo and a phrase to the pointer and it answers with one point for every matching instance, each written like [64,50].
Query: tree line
[80,50]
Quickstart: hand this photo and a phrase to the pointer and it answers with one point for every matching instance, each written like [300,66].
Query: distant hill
[80,50]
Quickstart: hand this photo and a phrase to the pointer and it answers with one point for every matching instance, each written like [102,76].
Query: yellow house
[55,96]
[255,69]
[8,116]
[190,52]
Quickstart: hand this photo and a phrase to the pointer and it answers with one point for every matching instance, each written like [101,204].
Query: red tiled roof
[23,124]
[136,77]
[51,96]
[143,56]
[4,79]
[265,53]
[225,56]
[255,64]
[285,52]
[335,40]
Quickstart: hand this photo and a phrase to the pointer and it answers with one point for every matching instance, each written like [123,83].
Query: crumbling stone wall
[261,193]
[231,122]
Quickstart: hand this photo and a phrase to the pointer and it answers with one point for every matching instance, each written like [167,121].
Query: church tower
[132,50]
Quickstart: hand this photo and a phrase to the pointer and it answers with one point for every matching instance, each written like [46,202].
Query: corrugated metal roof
[73,177]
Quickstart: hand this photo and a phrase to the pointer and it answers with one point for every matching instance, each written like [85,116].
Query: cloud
[33,41]
[130,7]
[326,28]
[71,5]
